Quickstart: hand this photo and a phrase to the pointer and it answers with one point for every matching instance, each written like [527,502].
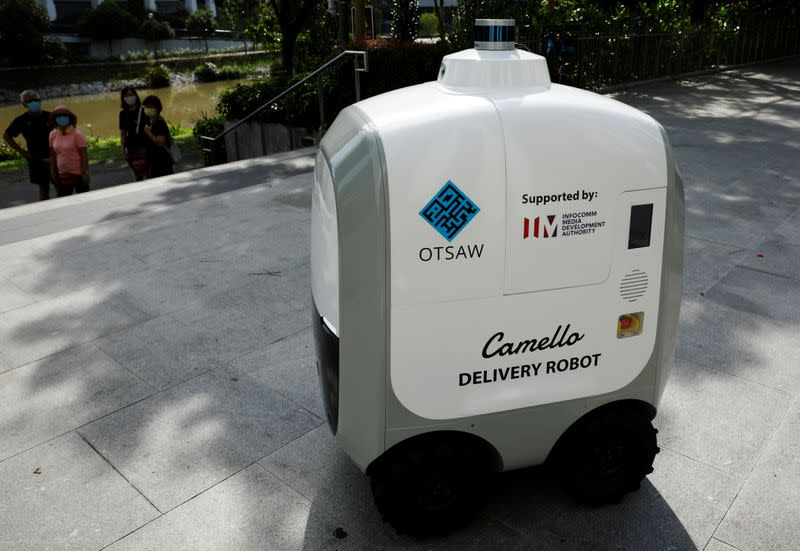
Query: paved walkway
[157,386]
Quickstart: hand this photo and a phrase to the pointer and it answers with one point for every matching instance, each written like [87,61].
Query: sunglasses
[31,100]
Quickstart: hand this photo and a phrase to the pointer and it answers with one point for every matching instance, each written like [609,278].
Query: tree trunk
[358,23]
[287,51]
[441,13]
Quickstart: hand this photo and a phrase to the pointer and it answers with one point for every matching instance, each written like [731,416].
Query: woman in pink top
[69,162]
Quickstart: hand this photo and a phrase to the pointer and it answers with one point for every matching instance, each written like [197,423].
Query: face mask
[34,106]
[130,100]
[62,120]
[150,112]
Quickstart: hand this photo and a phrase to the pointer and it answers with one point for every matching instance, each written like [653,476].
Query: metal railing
[210,143]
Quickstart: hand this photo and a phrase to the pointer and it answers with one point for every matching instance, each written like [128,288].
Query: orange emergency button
[630,325]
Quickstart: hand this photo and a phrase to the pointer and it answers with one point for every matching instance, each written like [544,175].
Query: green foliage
[136,9]
[405,19]
[261,27]
[53,49]
[155,30]
[315,44]
[157,76]
[8,154]
[201,23]
[208,72]
[209,125]
[252,18]
[22,26]
[107,22]
[392,65]
[428,25]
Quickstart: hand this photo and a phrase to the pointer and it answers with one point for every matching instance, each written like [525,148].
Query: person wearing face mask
[158,156]
[69,162]
[35,127]
[132,122]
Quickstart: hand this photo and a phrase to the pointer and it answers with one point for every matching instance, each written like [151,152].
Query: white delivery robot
[496,276]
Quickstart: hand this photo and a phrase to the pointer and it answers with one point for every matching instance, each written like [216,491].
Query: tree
[249,18]
[155,31]
[358,23]
[440,14]
[405,17]
[201,23]
[22,27]
[107,22]
[293,16]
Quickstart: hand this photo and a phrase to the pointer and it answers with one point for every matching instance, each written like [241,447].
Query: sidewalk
[158,389]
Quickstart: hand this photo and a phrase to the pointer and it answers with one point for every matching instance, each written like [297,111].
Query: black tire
[606,455]
[431,486]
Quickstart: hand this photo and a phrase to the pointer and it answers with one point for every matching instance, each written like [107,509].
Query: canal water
[98,114]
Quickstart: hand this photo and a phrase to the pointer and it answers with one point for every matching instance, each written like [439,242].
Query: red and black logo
[543,226]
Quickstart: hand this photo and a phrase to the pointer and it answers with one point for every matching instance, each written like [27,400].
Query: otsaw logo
[449,211]
[543,226]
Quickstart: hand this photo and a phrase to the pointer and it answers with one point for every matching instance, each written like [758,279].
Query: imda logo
[449,211]
[543,226]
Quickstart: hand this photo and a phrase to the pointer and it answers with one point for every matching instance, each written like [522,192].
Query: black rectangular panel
[641,224]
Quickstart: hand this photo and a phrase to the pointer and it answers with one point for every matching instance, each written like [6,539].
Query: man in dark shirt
[34,125]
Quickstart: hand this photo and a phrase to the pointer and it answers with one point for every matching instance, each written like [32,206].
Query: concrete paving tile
[314,466]
[733,216]
[716,545]
[166,288]
[718,419]
[530,502]
[177,241]
[483,533]
[289,368]
[779,257]
[17,250]
[251,510]
[75,502]
[788,232]
[765,513]
[739,343]
[184,440]
[770,296]
[38,330]
[281,298]
[47,276]
[12,297]
[697,494]
[705,263]
[175,347]
[51,396]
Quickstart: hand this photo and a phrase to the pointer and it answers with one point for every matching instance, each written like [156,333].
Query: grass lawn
[102,150]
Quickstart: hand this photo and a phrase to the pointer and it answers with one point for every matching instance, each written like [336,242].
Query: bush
[405,19]
[428,25]
[157,76]
[208,72]
[210,125]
